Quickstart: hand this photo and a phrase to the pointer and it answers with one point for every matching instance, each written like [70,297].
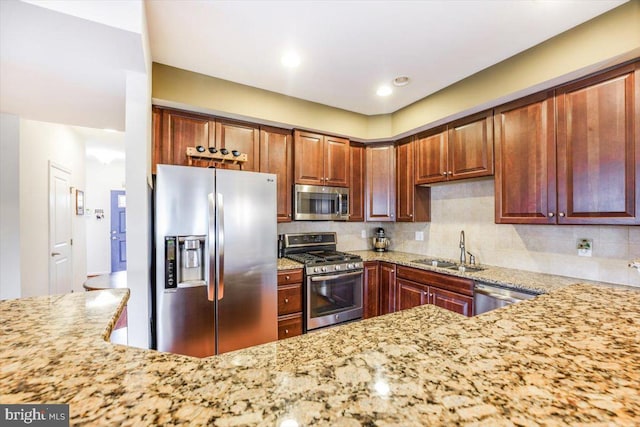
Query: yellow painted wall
[613,36]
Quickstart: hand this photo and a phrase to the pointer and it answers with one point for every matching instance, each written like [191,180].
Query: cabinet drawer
[289,326]
[443,281]
[289,276]
[289,299]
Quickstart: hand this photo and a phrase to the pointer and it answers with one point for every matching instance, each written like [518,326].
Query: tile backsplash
[469,206]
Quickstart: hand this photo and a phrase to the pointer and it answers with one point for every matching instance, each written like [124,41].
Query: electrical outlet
[363,234]
[585,247]
[419,235]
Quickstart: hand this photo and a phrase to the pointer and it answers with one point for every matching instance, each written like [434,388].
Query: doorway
[118,230]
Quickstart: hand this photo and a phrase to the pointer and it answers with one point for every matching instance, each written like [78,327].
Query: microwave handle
[339,213]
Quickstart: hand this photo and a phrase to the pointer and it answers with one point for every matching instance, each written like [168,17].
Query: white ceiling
[66,61]
[348,48]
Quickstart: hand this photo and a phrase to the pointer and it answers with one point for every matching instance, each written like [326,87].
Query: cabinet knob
[410,215]
[286,331]
[450,173]
[550,215]
[286,277]
[286,300]
[561,214]
[289,215]
[430,295]
[425,293]
[393,271]
[444,173]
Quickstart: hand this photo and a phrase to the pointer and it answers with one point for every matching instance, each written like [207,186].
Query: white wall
[100,180]
[40,143]
[9,206]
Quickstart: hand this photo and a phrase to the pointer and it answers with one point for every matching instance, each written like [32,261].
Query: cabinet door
[525,161]
[371,279]
[431,156]
[410,294]
[276,156]
[387,288]
[380,183]
[471,147]
[181,130]
[242,137]
[336,161]
[156,156]
[308,158]
[599,149]
[405,181]
[451,301]
[356,183]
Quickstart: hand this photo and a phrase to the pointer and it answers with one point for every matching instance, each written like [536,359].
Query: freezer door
[247,292]
[184,317]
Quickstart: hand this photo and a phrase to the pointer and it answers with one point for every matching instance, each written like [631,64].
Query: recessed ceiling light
[401,81]
[109,130]
[384,90]
[290,59]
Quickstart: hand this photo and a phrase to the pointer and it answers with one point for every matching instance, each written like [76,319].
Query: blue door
[118,231]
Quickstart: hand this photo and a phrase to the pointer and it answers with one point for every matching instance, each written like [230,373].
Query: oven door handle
[336,276]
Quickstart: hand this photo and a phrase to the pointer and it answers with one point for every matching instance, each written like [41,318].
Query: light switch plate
[419,235]
[363,234]
[585,247]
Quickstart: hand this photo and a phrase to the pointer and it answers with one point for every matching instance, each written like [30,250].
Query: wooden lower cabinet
[371,290]
[411,294]
[387,288]
[289,303]
[417,287]
[452,301]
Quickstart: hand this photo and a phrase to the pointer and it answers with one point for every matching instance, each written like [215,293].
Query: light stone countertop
[519,279]
[571,357]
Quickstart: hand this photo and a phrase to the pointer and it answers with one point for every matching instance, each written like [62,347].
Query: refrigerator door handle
[220,247]
[211,292]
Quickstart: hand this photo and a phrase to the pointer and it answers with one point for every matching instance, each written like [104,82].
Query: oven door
[333,299]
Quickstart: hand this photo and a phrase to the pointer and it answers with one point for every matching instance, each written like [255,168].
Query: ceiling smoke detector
[401,81]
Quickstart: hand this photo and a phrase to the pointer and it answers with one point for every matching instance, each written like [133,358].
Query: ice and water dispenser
[184,261]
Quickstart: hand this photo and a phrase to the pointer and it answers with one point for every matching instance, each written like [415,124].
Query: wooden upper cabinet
[356,182]
[336,161]
[242,137]
[525,189]
[320,159]
[380,183]
[276,156]
[156,155]
[471,147]
[462,149]
[431,156]
[181,130]
[598,149]
[412,202]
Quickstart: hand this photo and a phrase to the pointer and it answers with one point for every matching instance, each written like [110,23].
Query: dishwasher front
[487,297]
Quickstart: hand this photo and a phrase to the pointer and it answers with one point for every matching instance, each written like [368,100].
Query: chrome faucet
[463,255]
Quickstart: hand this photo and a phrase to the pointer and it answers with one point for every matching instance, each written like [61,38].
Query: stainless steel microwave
[319,203]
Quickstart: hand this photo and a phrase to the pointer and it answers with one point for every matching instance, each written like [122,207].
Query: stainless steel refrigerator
[216,254]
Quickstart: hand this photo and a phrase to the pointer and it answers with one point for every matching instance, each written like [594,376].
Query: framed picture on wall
[79,202]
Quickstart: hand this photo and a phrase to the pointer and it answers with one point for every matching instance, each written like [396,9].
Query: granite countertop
[571,357]
[519,279]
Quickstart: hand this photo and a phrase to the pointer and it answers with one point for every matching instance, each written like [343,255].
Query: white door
[60,277]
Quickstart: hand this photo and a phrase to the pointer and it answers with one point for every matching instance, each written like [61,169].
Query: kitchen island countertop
[566,358]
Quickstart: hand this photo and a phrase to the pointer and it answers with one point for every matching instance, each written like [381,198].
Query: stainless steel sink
[466,268]
[434,262]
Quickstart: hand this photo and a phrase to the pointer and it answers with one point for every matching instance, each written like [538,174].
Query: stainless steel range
[333,291]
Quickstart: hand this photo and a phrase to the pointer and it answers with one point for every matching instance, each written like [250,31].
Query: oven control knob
[315,269]
[324,268]
[350,265]
[337,267]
